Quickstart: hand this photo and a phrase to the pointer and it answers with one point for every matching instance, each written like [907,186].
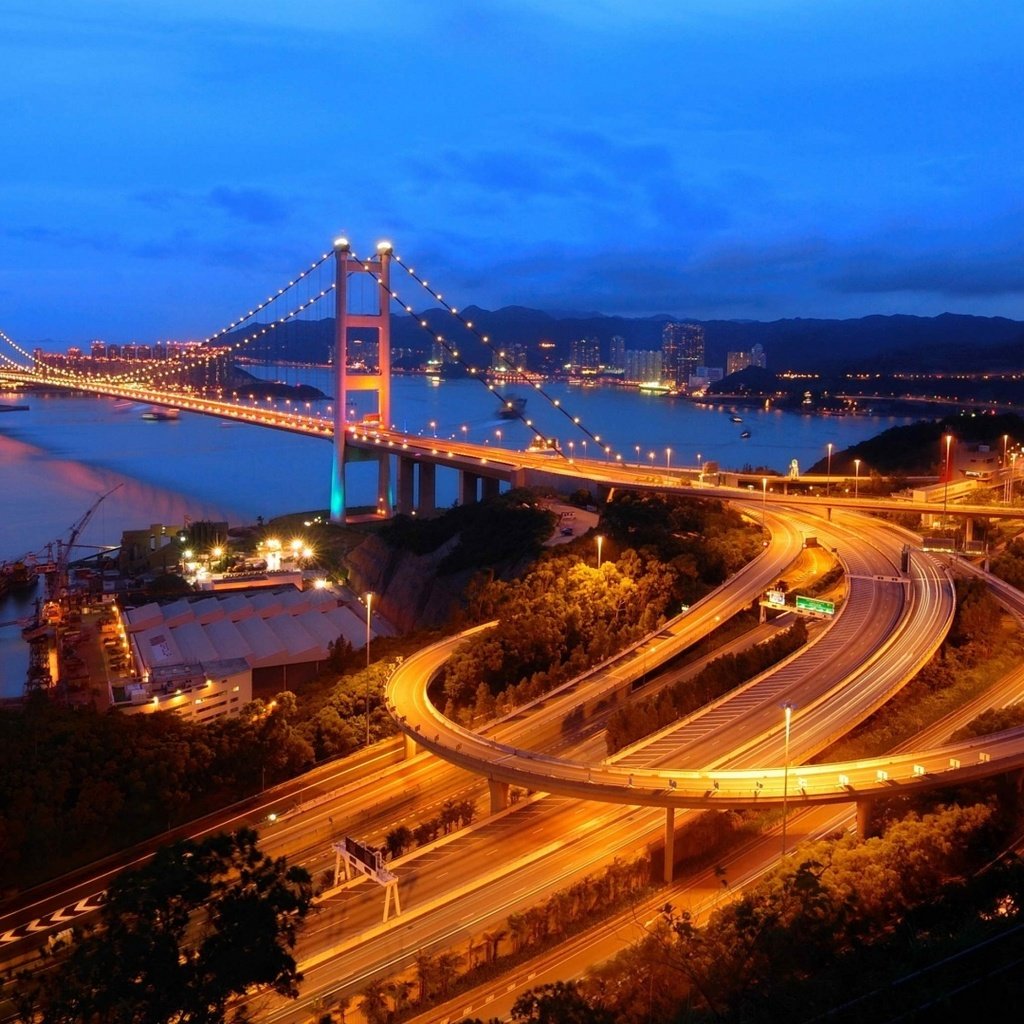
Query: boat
[654,387]
[735,419]
[17,576]
[512,408]
[160,415]
[745,434]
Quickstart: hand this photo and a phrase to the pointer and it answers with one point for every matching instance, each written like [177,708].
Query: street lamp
[369,605]
[828,476]
[600,542]
[945,478]
[650,455]
[433,427]
[764,506]
[856,478]
[1013,470]
[700,468]
[636,447]
[572,450]
[788,709]
[668,458]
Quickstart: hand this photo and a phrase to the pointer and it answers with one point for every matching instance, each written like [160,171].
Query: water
[59,456]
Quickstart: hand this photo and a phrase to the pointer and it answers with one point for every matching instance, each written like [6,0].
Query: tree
[199,924]
[560,1003]
[374,1003]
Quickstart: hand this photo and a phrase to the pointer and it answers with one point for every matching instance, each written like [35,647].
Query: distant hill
[876,343]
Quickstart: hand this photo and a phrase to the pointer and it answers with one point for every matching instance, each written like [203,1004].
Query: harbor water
[65,450]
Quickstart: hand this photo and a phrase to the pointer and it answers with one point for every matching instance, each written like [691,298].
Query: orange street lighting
[369,604]
[600,542]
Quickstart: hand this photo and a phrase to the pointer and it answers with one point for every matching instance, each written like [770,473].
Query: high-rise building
[642,367]
[98,349]
[617,352]
[736,361]
[682,351]
[585,354]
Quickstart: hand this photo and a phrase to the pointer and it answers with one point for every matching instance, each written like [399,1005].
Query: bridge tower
[379,267]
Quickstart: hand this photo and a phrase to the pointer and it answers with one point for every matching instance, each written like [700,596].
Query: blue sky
[166,164]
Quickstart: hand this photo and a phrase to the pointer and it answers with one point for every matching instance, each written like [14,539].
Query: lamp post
[636,448]
[764,507]
[788,709]
[945,478]
[572,450]
[369,605]
[433,427]
[668,458]
[584,443]
[828,472]
[856,478]
[1013,470]
[600,542]
[700,468]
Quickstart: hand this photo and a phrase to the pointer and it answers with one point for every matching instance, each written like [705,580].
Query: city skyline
[718,161]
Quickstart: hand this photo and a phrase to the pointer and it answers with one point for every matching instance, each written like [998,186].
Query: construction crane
[58,580]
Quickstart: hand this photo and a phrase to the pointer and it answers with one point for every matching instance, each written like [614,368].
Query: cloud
[251,205]
[959,276]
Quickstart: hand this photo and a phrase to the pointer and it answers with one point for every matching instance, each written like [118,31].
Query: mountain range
[950,342]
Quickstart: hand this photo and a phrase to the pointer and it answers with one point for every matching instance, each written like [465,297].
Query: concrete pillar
[385,494]
[427,500]
[865,807]
[670,842]
[968,529]
[491,487]
[406,480]
[412,748]
[499,795]
[467,487]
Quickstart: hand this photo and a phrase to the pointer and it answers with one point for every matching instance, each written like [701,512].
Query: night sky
[168,163]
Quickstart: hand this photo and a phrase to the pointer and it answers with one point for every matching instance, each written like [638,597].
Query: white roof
[264,628]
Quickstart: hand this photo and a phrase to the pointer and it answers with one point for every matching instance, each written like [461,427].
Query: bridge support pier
[865,809]
[491,487]
[670,842]
[498,792]
[412,748]
[426,501]
[468,488]
[968,529]
[406,479]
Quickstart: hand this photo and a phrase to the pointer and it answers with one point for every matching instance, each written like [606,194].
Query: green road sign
[812,604]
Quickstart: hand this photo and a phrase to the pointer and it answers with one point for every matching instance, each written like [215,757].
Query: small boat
[654,387]
[735,419]
[160,415]
[512,408]
[745,434]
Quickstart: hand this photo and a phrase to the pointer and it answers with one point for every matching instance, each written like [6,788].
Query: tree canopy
[179,938]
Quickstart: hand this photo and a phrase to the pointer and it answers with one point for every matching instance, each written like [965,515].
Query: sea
[63,452]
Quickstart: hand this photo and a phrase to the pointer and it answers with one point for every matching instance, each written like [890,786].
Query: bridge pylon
[379,269]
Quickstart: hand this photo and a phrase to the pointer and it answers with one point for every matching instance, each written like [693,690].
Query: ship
[745,434]
[654,387]
[512,408]
[161,414]
[735,419]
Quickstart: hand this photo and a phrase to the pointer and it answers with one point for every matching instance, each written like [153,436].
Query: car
[567,531]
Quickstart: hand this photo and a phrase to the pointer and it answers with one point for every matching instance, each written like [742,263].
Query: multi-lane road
[470,881]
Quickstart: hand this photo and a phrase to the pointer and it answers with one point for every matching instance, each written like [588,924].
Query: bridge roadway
[504,464]
[873,649]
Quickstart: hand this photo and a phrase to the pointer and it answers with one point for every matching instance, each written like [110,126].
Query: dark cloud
[960,276]
[252,205]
